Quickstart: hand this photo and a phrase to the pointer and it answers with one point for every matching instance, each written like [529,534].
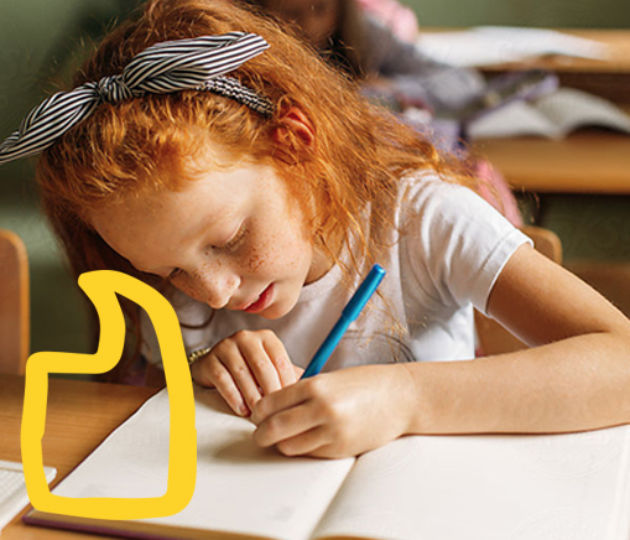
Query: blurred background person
[373,41]
[364,40]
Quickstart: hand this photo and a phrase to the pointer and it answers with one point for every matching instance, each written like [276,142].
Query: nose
[214,286]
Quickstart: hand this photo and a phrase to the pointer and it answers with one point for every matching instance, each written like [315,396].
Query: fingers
[245,367]
[290,396]
[261,352]
[313,442]
[298,372]
[294,431]
[304,419]
[278,355]
[211,370]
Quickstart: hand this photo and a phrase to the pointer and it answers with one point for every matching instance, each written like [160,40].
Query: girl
[258,187]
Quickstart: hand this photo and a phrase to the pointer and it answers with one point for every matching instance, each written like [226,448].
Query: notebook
[13,495]
[553,116]
[573,486]
[487,45]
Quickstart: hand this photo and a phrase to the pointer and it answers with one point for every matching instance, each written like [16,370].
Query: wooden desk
[617,42]
[609,77]
[80,415]
[593,161]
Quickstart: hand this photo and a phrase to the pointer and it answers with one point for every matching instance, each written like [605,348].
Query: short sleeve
[456,243]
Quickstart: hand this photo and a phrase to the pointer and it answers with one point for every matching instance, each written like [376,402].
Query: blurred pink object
[496,191]
[399,18]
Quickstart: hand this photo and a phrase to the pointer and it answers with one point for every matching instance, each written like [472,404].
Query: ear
[293,123]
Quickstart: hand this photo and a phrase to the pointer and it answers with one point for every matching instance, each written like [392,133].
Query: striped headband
[171,66]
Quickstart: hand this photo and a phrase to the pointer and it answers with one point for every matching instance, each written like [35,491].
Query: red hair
[361,151]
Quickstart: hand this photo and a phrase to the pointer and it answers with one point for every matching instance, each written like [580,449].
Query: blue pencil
[349,314]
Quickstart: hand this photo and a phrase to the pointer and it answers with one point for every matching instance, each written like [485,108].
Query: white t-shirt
[455,247]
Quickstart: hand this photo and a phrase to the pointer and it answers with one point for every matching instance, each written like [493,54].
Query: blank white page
[485,45]
[240,487]
[521,487]
[13,496]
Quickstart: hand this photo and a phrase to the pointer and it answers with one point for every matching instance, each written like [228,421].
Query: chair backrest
[610,278]
[14,304]
[545,241]
[493,338]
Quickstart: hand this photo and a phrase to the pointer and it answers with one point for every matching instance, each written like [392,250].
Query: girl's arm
[576,376]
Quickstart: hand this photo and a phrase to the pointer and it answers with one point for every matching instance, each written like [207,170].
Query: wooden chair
[493,338]
[14,304]
[610,278]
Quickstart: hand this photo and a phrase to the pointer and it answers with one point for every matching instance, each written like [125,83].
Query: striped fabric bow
[171,66]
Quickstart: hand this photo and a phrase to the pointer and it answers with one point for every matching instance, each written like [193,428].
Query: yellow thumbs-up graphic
[101,287]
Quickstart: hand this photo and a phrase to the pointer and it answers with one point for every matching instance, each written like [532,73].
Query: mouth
[263,301]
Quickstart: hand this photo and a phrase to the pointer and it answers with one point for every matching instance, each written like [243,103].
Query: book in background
[553,116]
[487,45]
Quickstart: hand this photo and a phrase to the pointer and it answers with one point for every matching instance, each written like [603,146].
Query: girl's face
[318,19]
[232,239]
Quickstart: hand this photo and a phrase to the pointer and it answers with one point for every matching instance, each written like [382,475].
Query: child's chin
[276,311]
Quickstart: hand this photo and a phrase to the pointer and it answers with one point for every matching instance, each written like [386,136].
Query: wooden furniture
[80,415]
[593,161]
[14,304]
[610,278]
[608,78]
[493,338]
[589,161]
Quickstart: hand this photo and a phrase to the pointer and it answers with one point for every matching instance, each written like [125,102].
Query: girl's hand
[245,367]
[338,414]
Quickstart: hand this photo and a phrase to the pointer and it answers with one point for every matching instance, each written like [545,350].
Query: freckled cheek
[191,288]
[256,260]
[276,255]
[193,285]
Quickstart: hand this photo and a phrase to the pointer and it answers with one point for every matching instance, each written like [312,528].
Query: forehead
[206,180]
[140,226]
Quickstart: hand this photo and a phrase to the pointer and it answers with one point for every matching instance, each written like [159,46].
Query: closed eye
[235,242]
[230,246]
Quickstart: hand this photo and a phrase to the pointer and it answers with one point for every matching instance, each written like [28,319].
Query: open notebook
[493,487]
[553,116]
[486,45]
[13,496]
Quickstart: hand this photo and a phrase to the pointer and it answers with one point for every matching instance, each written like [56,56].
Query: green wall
[555,13]
[40,42]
